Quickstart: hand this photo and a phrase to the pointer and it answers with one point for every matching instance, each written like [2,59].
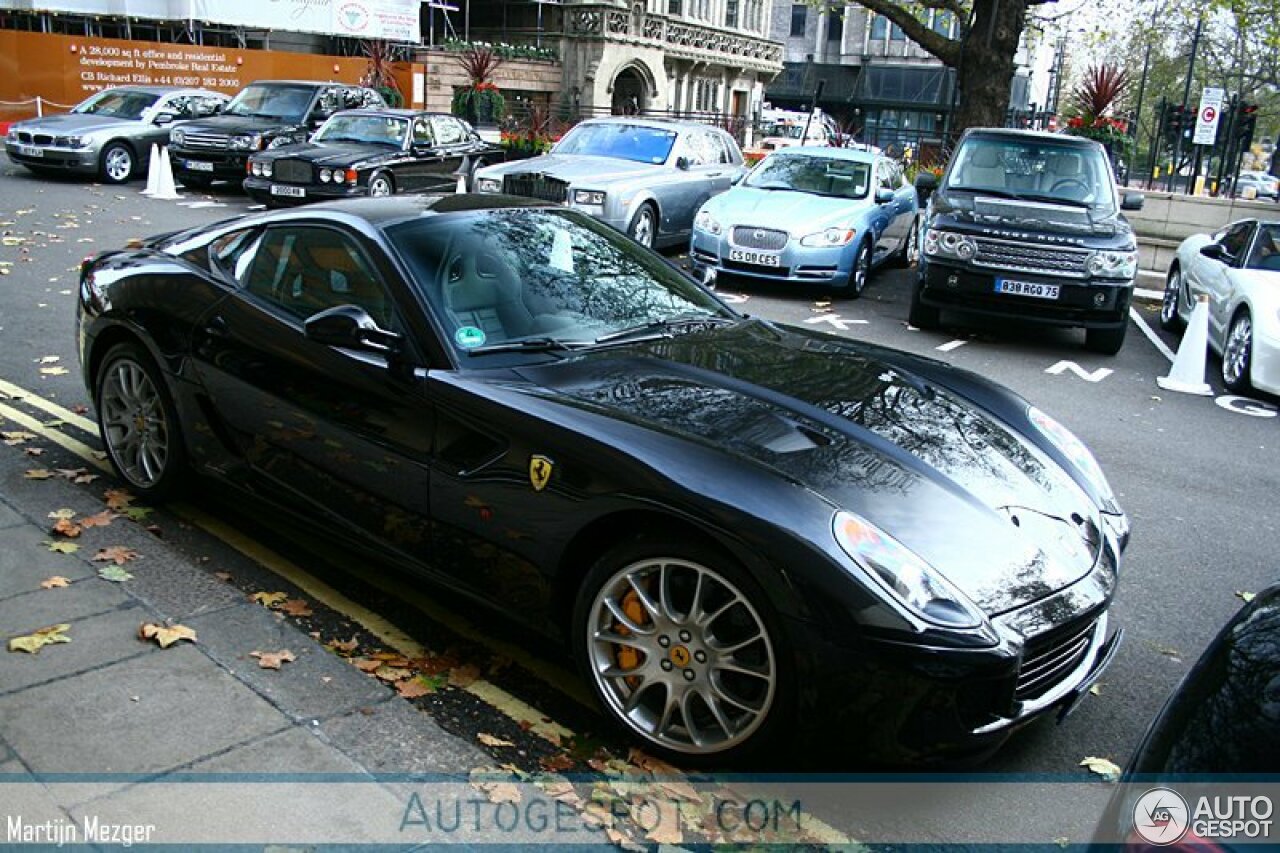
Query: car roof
[398,112]
[647,121]
[1035,135]
[852,154]
[316,84]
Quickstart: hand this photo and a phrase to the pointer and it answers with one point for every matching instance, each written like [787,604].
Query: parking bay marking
[950,345]
[1096,376]
[384,630]
[835,320]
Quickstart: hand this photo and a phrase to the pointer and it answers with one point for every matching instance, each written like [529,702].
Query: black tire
[1105,341]
[680,560]
[856,283]
[380,180]
[922,316]
[1237,354]
[910,251]
[117,163]
[157,475]
[1171,302]
[643,227]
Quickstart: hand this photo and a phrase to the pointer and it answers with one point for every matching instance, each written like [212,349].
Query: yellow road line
[34,400]
[80,449]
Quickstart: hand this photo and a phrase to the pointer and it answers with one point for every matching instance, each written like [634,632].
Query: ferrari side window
[232,252]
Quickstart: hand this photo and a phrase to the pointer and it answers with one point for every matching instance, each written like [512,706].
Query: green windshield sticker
[468,337]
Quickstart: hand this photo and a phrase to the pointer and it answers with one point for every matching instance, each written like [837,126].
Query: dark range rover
[265,114]
[1029,225]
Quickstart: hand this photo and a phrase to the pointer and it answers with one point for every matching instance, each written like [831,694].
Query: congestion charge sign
[1207,118]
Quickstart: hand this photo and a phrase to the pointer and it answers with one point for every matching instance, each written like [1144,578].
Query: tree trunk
[986,66]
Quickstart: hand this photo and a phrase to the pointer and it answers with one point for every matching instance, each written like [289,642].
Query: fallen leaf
[464,676]
[225,577]
[117,499]
[84,479]
[54,582]
[1105,768]
[490,740]
[419,685]
[114,574]
[62,546]
[556,762]
[1096,690]
[63,513]
[100,519]
[391,674]
[667,831]
[66,527]
[165,635]
[1062,841]
[33,642]
[33,451]
[16,437]
[269,599]
[344,646]
[137,513]
[273,660]
[38,474]
[365,664]
[295,607]
[117,553]
[1246,597]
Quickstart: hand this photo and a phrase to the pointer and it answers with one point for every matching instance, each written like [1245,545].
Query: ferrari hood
[786,210]
[855,424]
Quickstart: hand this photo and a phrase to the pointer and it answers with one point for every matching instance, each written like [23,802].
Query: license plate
[1027,288]
[30,151]
[292,192]
[764,259]
[199,166]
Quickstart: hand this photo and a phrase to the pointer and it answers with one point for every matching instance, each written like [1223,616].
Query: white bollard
[1187,374]
[461,188]
[153,171]
[166,191]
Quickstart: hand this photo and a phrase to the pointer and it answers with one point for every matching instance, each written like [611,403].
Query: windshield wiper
[665,327]
[1016,196]
[544,344]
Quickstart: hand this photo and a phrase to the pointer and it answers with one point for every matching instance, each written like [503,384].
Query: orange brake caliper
[627,657]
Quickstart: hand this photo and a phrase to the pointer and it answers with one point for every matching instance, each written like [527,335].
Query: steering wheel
[1085,191]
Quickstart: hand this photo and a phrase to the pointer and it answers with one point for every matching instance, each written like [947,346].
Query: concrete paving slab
[395,737]
[27,801]
[25,561]
[96,641]
[173,586]
[142,715]
[316,685]
[9,517]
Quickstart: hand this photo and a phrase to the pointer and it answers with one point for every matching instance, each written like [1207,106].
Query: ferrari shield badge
[540,468]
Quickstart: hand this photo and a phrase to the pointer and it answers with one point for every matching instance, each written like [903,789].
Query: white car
[1238,268]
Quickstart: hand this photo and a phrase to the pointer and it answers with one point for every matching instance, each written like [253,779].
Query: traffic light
[1246,121]
[1177,120]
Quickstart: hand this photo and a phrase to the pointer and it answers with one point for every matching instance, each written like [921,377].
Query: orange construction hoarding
[64,70]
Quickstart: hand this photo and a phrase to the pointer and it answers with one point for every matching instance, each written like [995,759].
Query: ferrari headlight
[592,197]
[488,185]
[829,237]
[903,573]
[177,136]
[704,221]
[326,176]
[1074,449]
[949,244]
[1113,264]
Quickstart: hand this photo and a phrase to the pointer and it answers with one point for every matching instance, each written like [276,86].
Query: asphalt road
[1198,480]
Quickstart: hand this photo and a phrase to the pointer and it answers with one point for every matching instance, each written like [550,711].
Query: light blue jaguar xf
[810,215]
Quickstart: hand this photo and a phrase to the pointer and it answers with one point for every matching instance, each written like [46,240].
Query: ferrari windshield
[366,129]
[623,141]
[117,103]
[547,276]
[810,173]
[1033,168]
[1266,250]
[279,102]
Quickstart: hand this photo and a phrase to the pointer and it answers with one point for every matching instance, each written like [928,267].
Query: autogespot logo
[1161,816]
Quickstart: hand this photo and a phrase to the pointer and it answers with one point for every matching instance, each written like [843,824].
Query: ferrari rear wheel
[683,651]
[138,422]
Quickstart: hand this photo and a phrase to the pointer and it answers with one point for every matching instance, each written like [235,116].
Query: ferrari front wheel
[683,650]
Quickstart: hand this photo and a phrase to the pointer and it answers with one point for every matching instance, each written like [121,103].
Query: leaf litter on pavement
[32,643]
[165,634]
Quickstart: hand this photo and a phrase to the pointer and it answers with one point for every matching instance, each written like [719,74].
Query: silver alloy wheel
[1169,304]
[861,268]
[1235,355]
[379,185]
[118,163]
[134,424]
[913,245]
[642,227]
[681,656]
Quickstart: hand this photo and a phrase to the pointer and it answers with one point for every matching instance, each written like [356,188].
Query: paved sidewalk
[116,708]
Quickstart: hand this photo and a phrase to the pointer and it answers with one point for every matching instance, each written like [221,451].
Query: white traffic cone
[461,188]
[153,171]
[1187,374]
[166,191]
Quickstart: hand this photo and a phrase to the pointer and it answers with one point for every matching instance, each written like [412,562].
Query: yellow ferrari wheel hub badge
[680,656]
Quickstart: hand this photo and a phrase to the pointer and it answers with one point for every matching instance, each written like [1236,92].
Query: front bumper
[214,165]
[1092,304]
[911,702]
[68,159]
[798,264]
[259,189]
